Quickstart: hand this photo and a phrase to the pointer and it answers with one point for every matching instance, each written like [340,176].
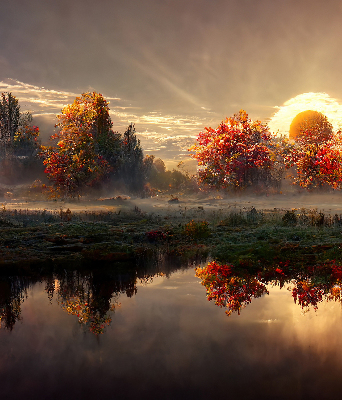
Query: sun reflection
[322,102]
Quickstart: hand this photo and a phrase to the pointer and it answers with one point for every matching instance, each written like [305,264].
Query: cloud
[165,135]
[321,102]
[40,100]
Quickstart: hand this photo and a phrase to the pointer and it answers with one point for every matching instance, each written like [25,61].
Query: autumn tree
[76,161]
[88,152]
[316,152]
[237,154]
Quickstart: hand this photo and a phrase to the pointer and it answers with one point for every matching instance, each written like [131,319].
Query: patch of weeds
[290,218]
[188,252]
[197,230]
[334,253]
[155,236]
[254,217]
[233,219]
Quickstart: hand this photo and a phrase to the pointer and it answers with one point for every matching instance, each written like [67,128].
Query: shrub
[197,230]
[290,218]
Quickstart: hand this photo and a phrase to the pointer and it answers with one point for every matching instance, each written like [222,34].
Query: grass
[244,237]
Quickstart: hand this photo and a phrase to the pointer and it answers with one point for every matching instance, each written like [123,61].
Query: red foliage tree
[316,157]
[238,153]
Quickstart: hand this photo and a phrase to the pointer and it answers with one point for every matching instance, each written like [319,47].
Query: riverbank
[117,230]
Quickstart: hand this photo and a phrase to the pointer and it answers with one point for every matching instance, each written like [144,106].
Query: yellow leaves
[243,116]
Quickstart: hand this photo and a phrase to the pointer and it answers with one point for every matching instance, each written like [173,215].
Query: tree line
[242,153]
[87,154]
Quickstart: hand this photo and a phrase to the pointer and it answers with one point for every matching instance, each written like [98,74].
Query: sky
[170,67]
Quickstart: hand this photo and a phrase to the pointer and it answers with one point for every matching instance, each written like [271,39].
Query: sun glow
[321,102]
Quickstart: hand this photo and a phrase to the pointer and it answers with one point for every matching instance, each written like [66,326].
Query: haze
[171,67]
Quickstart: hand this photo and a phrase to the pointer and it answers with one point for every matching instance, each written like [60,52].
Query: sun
[321,102]
[313,121]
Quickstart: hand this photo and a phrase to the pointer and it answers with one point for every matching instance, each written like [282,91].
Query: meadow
[246,231]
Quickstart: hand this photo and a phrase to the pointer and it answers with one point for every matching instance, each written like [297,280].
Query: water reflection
[91,295]
[167,340]
[234,288]
[13,291]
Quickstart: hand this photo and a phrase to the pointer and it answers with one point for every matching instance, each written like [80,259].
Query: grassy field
[245,236]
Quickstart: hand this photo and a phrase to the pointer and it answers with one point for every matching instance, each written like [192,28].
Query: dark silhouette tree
[19,142]
[9,119]
[132,169]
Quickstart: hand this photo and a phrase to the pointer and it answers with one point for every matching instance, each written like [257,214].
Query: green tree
[9,120]
[19,142]
[132,169]
[18,136]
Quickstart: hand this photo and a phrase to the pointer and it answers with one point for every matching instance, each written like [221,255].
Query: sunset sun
[310,103]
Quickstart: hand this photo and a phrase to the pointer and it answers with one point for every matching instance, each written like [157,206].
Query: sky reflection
[168,339]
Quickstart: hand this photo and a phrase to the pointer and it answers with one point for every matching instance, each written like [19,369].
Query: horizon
[165,136]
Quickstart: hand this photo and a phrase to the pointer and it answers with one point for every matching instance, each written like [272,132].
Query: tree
[76,162]
[133,168]
[161,179]
[19,142]
[90,111]
[89,152]
[9,119]
[316,152]
[237,154]
[73,165]
[18,137]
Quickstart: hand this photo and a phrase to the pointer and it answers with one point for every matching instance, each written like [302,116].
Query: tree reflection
[234,287]
[227,288]
[13,291]
[89,297]
[90,294]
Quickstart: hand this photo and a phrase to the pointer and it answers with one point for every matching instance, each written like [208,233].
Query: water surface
[84,336]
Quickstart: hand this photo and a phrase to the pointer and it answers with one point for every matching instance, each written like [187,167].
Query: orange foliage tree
[88,150]
[85,147]
[238,153]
